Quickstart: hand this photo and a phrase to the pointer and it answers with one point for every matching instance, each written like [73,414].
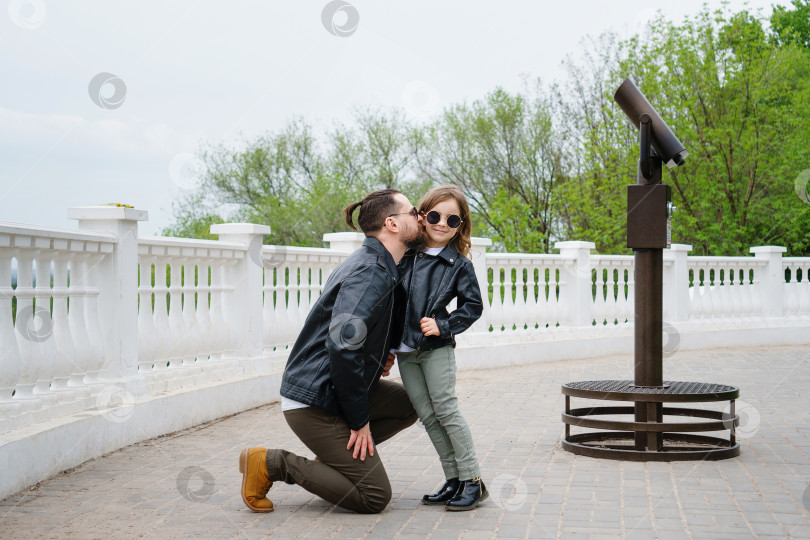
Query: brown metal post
[649,365]
[649,318]
[649,340]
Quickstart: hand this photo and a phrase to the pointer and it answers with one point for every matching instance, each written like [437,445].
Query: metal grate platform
[661,441]
[669,391]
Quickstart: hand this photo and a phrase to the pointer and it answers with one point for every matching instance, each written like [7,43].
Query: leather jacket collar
[449,253]
[383,254]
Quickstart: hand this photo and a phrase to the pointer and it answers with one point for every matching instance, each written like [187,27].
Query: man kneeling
[332,395]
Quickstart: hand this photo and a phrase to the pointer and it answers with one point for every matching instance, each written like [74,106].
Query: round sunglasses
[453,221]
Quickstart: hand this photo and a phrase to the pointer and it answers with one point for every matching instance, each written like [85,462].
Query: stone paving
[187,484]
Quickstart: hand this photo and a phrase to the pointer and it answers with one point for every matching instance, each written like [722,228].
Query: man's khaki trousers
[361,486]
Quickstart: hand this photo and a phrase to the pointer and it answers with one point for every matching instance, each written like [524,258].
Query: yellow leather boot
[255,480]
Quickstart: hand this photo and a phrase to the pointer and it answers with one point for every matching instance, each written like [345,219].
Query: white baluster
[553,317]
[163,332]
[804,292]
[709,297]
[48,360]
[269,323]
[192,337]
[291,298]
[756,290]
[303,310]
[728,294]
[521,311]
[734,290]
[702,292]
[175,324]
[77,313]
[25,326]
[203,316]
[746,290]
[63,340]
[512,293]
[230,364]
[147,333]
[706,292]
[718,295]
[625,288]
[541,308]
[215,313]
[278,306]
[791,294]
[497,308]
[600,309]
[533,299]
[564,308]
[630,310]
[748,301]
[10,359]
[616,304]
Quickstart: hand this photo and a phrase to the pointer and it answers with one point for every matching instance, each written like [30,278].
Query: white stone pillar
[478,256]
[243,306]
[772,282]
[118,285]
[676,283]
[347,242]
[576,287]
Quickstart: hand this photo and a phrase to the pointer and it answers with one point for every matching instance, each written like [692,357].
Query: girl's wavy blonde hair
[461,241]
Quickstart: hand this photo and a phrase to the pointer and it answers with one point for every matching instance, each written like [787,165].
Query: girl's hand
[429,327]
[389,364]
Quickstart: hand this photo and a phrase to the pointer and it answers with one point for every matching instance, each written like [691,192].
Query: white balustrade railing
[613,284]
[183,331]
[797,286]
[151,315]
[51,352]
[524,291]
[725,287]
[293,280]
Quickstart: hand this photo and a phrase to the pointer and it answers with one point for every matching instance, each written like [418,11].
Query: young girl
[426,360]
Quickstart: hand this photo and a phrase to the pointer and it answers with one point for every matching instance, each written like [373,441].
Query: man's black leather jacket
[340,353]
[432,282]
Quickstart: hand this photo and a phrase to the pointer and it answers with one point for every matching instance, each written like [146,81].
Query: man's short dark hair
[374,209]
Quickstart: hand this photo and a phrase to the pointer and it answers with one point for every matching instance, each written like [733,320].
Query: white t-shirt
[288,404]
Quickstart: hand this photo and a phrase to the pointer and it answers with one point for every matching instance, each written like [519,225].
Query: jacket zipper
[408,299]
[387,331]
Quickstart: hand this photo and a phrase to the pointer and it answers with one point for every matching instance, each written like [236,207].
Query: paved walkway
[187,484]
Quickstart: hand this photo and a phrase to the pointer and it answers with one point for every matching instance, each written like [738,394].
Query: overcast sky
[107,101]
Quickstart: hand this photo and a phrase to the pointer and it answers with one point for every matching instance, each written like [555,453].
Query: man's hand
[361,440]
[429,327]
[389,364]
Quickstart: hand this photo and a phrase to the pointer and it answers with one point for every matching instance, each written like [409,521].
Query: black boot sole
[429,503]
[471,507]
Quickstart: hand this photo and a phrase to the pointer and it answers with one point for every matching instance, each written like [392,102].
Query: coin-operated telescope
[649,206]
[651,438]
[649,211]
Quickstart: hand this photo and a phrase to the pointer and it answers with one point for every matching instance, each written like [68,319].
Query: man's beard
[418,243]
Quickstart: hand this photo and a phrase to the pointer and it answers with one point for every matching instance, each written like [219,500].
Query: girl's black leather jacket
[432,282]
[339,355]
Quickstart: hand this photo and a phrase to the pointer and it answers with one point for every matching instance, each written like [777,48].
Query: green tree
[738,102]
[792,26]
[296,183]
[502,151]
[601,143]
[538,166]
